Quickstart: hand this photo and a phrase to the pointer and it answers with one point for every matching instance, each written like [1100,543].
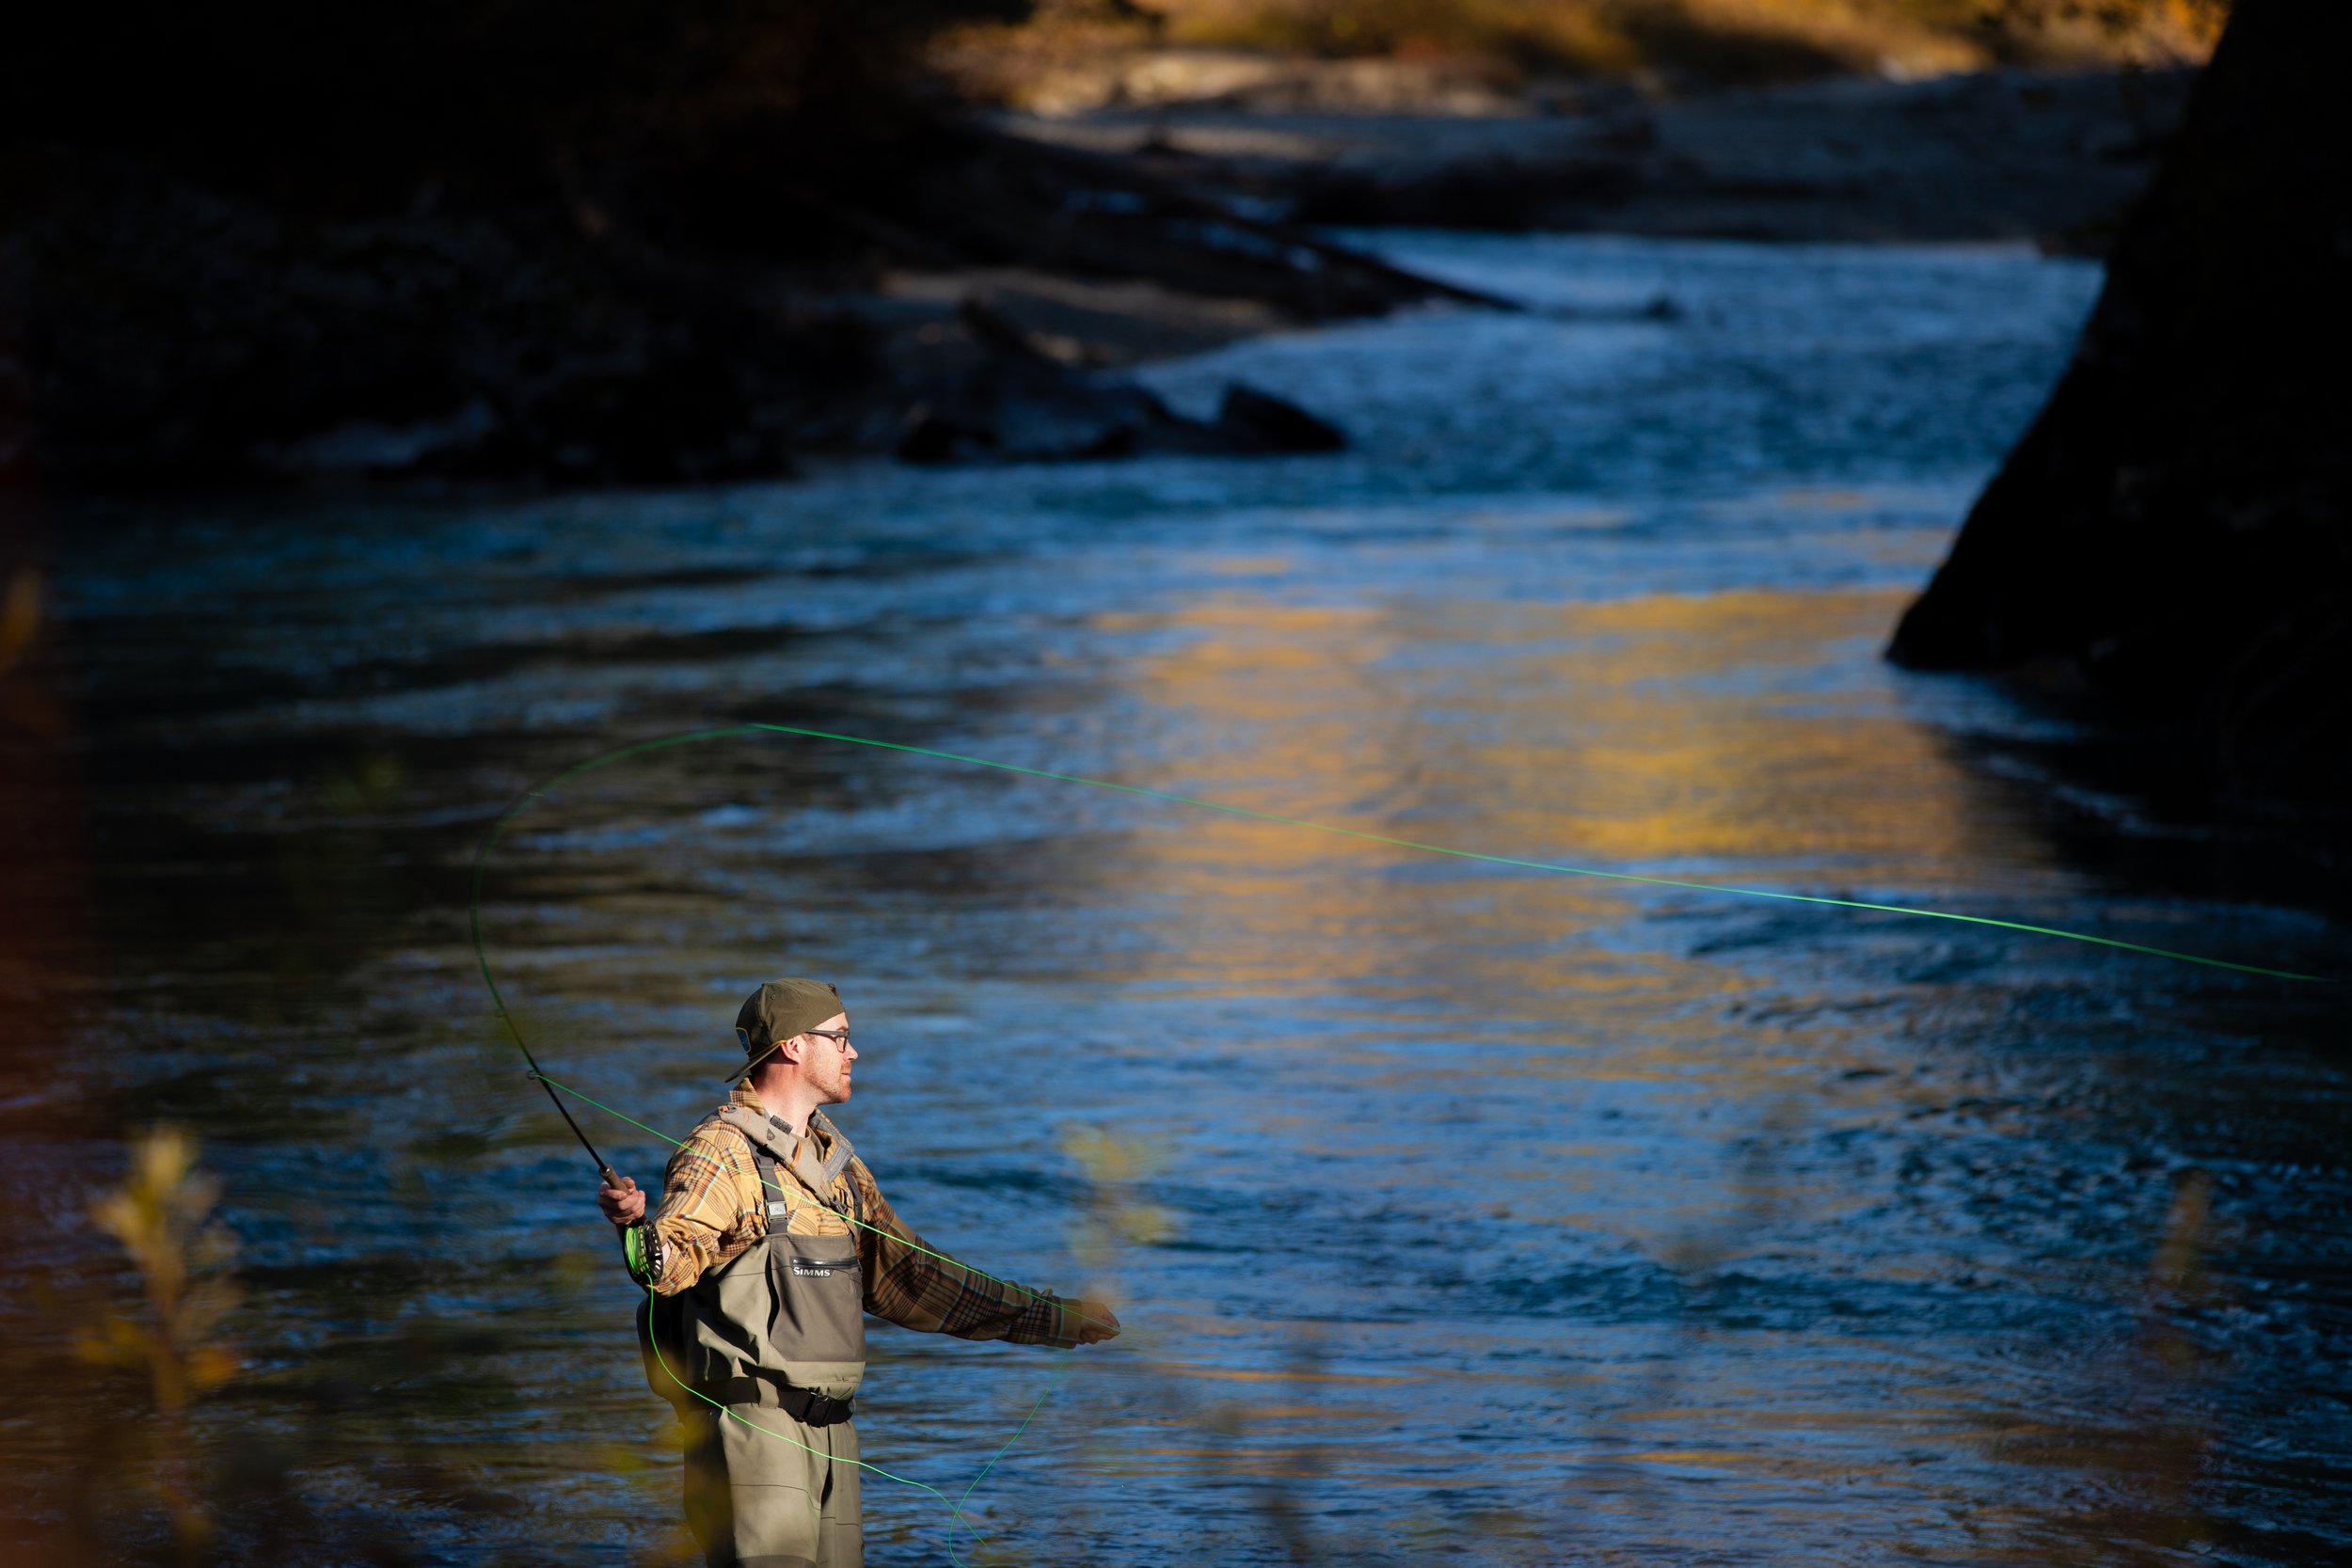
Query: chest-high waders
[777,1336]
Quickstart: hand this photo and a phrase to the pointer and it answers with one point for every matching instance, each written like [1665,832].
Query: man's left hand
[1096,1322]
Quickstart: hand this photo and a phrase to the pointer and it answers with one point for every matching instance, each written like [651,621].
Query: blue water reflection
[1458,1212]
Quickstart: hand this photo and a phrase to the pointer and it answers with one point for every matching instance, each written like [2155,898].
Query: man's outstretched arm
[907,1283]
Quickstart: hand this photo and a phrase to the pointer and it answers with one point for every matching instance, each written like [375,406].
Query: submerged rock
[1258,421]
[1009,417]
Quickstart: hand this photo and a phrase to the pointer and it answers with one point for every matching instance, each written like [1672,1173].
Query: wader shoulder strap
[771,1188]
[774,1148]
[839,1160]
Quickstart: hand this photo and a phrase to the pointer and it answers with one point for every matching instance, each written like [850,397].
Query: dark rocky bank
[162,333]
[2173,535]
[938,287]
[1999,155]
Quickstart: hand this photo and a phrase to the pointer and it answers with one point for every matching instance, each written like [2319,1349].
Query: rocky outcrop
[1012,402]
[159,332]
[1059,421]
[2175,528]
[1071,210]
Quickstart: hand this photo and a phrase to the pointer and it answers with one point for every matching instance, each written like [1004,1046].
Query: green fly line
[621,753]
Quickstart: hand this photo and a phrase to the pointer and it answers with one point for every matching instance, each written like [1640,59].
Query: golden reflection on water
[1670,734]
[1630,733]
[1746,737]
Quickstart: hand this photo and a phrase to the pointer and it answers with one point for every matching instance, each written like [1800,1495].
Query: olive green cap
[777,1011]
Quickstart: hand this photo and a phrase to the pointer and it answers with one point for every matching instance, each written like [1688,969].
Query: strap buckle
[816,1409]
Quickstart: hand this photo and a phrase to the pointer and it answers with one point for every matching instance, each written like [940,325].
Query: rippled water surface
[1459,1212]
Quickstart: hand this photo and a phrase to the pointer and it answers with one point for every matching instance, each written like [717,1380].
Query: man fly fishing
[770,1241]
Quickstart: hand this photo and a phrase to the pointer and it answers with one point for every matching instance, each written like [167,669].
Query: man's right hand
[1096,1322]
[624,1204]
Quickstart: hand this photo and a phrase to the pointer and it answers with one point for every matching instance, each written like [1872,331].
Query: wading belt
[765,1388]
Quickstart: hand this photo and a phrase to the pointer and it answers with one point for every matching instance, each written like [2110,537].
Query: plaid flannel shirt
[713,1207]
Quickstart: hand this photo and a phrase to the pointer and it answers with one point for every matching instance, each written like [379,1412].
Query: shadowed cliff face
[622,243]
[343,110]
[2176,527]
[460,237]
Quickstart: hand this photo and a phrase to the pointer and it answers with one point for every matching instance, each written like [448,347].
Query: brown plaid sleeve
[911,1285]
[711,1206]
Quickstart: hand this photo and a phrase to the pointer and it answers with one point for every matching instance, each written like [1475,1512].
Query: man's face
[825,1061]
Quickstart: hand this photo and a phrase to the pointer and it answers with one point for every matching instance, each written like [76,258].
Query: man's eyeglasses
[839,1037]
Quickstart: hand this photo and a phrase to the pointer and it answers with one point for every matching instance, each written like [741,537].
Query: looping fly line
[498,831]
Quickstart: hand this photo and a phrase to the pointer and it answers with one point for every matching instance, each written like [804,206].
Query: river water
[1457,1212]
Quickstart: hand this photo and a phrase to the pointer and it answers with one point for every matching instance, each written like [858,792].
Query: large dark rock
[1252,421]
[2175,529]
[1001,199]
[1007,402]
[1041,417]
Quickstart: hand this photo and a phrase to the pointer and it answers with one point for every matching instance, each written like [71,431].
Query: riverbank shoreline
[980,303]
[2047,157]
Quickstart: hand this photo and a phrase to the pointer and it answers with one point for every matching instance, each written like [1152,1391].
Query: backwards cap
[777,1011]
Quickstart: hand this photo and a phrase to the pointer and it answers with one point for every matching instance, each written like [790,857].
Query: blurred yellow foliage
[160,1214]
[1113,1164]
[1107,1158]
[22,703]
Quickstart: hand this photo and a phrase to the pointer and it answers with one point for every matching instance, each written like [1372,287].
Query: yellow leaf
[211,1366]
